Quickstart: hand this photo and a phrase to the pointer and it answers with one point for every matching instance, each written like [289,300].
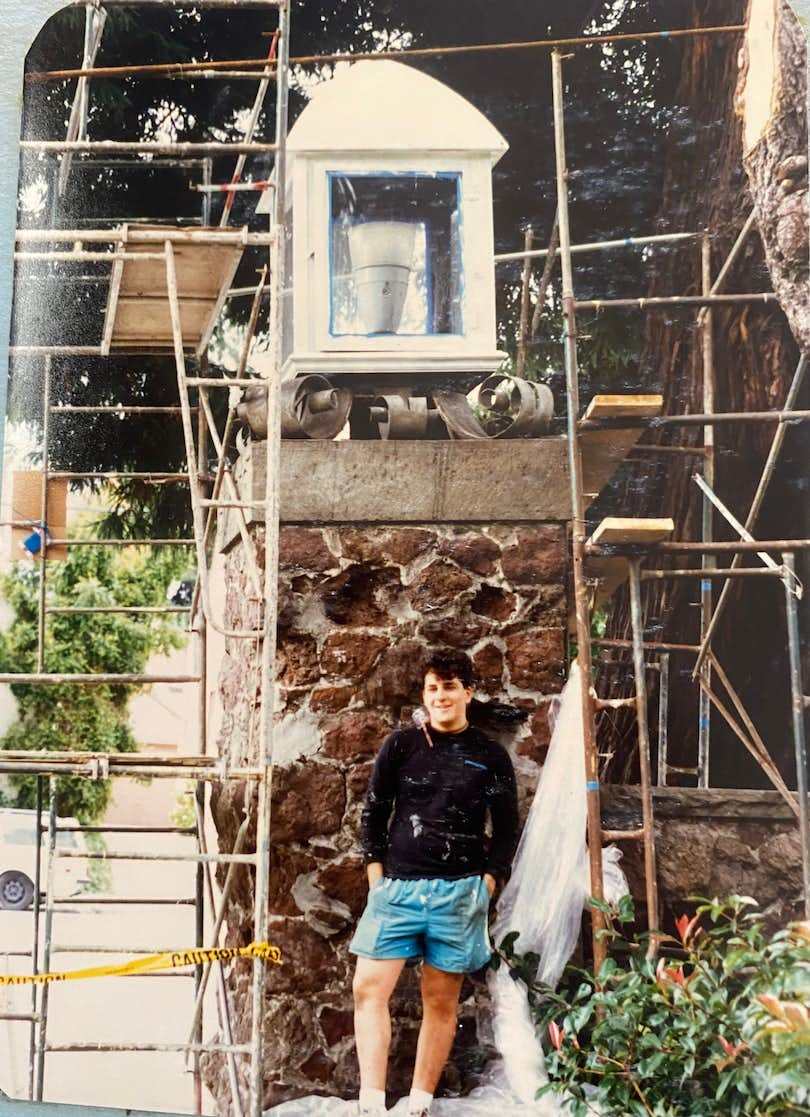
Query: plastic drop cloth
[543,902]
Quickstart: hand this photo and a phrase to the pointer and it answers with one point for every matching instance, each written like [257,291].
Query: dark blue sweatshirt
[440,797]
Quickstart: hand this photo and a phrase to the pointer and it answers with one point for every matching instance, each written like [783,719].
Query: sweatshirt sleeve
[504,812]
[379,803]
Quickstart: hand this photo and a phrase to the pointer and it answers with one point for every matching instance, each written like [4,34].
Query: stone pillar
[359,604]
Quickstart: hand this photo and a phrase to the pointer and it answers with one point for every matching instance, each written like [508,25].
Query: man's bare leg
[440,992]
[374,982]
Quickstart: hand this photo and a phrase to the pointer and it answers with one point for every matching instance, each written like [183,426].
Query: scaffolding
[632,542]
[166,286]
[618,549]
[625,541]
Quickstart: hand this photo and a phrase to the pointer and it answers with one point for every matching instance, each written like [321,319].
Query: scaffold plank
[602,453]
[148,234]
[618,529]
[606,406]
[138,304]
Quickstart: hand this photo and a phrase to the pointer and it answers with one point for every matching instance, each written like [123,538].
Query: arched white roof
[387,106]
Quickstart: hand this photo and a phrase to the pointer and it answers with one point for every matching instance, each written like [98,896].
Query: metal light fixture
[381,255]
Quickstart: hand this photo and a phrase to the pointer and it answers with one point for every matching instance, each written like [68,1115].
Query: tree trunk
[705,188]
[772,95]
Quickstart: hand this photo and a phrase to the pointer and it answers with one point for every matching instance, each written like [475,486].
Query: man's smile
[446,701]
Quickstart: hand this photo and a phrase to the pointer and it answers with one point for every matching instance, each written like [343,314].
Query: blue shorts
[442,921]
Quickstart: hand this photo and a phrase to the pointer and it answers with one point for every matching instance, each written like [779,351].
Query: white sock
[371,1101]
[419,1100]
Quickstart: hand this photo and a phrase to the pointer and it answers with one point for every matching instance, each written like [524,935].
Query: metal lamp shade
[381,255]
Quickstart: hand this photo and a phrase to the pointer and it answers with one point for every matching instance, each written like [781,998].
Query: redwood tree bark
[772,96]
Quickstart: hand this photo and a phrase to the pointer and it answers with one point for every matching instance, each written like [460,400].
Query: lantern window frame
[423,173]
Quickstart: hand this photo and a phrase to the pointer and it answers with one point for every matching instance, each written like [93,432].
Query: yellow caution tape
[174,960]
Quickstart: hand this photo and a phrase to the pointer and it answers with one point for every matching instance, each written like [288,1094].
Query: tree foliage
[70,718]
[620,114]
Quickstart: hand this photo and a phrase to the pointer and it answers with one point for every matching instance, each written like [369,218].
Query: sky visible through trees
[620,117]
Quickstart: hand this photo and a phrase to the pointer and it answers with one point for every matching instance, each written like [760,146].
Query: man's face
[446,701]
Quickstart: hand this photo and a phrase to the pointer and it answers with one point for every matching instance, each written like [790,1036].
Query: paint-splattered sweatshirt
[440,797]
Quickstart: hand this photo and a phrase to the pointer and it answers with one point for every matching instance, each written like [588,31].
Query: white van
[18,858]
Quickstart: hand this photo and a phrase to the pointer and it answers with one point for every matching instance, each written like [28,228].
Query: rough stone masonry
[358,605]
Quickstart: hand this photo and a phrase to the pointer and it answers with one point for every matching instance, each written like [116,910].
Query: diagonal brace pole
[765,762]
[191,455]
[797,702]
[648,827]
[743,532]
[77,124]
[227,476]
[756,505]
[250,129]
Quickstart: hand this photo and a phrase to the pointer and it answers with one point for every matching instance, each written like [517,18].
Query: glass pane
[395,263]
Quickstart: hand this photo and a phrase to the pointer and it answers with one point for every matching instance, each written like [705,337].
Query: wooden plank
[139,314]
[604,574]
[605,407]
[616,529]
[608,572]
[225,284]
[139,320]
[603,451]
[198,271]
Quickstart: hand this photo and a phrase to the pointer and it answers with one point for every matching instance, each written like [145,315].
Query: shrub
[721,1026]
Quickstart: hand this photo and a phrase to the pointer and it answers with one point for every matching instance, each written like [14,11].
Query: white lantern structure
[389,272]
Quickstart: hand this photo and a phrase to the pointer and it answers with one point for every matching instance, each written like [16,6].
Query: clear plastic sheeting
[544,897]
[523,1065]
[614,882]
[543,902]
[493,1097]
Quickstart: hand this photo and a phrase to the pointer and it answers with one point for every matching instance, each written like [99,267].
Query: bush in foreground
[719,1026]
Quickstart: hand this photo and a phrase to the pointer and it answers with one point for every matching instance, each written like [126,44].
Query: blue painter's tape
[427,332]
[665,34]
[705,583]
[592,785]
[704,723]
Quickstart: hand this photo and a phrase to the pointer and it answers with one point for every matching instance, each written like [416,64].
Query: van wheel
[16,891]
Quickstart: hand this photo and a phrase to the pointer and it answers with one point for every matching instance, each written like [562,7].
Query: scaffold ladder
[133,246]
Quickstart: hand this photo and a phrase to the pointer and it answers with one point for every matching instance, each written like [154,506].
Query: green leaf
[507,945]
[648,1066]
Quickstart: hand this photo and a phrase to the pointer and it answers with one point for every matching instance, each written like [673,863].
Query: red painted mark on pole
[271,57]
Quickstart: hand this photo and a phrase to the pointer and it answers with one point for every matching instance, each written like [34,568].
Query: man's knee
[440,991]
[370,988]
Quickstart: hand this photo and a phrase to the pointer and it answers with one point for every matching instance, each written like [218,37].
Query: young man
[431,875]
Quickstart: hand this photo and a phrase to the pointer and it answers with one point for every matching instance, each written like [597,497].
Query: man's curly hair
[447,663]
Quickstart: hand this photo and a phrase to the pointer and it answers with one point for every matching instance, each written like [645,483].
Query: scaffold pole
[578,526]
